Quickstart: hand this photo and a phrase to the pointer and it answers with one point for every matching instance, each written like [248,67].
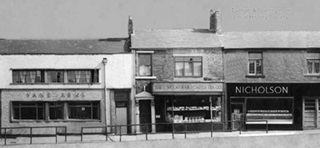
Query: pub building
[72,83]
[272,80]
[178,77]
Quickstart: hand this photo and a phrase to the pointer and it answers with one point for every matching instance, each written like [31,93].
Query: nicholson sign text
[261,90]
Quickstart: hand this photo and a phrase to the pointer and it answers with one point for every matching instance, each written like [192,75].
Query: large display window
[193,109]
[273,110]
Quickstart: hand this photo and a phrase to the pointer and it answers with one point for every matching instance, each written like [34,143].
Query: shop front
[280,105]
[193,103]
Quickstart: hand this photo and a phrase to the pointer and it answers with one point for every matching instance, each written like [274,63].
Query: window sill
[146,77]
[255,76]
[55,83]
[312,75]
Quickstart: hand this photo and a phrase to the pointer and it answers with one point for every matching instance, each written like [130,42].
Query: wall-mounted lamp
[105,61]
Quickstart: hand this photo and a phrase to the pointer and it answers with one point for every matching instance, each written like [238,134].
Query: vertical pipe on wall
[104,61]
[133,93]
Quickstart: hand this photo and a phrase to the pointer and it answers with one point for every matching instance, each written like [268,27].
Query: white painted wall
[119,68]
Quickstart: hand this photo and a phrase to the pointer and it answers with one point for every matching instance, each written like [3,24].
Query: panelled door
[311,113]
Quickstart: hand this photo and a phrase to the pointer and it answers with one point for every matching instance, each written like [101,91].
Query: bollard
[81,133]
[30,135]
[172,130]
[147,132]
[105,130]
[120,133]
[185,130]
[5,136]
[56,135]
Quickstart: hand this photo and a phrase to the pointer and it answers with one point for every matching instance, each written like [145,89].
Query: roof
[102,46]
[175,38]
[271,39]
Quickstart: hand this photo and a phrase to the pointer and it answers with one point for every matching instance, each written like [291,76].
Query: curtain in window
[188,68]
[197,69]
[78,74]
[83,78]
[88,76]
[144,65]
[179,69]
[32,76]
[23,76]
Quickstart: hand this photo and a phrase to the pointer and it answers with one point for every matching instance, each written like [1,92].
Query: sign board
[262,89]
[187,87]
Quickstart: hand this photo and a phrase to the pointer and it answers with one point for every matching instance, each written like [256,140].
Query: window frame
[37,106]
[138,63]
[255,64]
[18,71]
[183,69]
[46,111]
[44,79]
[313,67]
[91,105]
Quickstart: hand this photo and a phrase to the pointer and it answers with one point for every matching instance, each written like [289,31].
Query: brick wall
[283,65]
[163,66]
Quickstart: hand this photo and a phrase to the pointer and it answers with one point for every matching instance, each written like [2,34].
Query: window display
[274,110]
[192,109]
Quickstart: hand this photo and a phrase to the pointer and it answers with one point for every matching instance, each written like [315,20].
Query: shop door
[238,111]
[309,113]
[145,114]
[121,116]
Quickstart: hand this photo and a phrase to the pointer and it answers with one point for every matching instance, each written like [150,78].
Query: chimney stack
[130,26]
[215,21]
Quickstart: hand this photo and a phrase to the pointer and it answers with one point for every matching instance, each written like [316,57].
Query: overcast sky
[74,19]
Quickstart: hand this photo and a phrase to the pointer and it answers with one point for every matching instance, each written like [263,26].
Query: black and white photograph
[160,73]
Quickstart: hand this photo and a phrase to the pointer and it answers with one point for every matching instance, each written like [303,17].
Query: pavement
[143,137]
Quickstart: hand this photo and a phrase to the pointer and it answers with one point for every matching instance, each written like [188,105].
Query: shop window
[82,76]
[56,110]
[145,65]
[188,66]
[193,109]
[84,110]
[28,76]
[255,63]
[28,110]
[55,76]
[275,110]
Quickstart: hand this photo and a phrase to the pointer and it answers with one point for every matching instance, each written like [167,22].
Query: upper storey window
[55,76]
[28,76]
[145,65]
[188,66]
[313,63]
[255,65]
[85,76]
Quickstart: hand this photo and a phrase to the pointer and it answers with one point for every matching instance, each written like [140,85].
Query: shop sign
[187,87]
[48,95]
[273,89]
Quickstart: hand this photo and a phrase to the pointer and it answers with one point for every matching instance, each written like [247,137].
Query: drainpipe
[104,61]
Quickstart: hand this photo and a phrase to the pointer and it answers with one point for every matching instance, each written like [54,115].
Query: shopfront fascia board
[183,88]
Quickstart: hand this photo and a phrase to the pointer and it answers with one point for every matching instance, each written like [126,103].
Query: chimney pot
[130,26]
[215,21]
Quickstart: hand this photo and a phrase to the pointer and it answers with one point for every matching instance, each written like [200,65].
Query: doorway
[145,115]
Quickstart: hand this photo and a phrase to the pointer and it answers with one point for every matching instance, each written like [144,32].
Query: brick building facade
[258,63]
